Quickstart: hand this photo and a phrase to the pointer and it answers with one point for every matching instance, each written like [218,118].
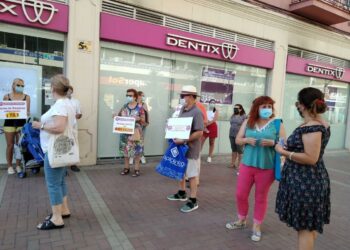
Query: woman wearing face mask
[211,129]
[141,100]
[258,134]
[55,121]
[13,127]
[131,146]
[303,197]
[236,121]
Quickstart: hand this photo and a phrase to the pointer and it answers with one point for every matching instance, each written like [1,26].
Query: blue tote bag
[278,155]
[174,162]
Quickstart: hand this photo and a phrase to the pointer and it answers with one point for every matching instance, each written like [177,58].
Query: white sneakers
[209,159]
[10,170]
[18,169]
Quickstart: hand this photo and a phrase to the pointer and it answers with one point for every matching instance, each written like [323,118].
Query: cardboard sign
[178,128]
[13,110]
[124,125]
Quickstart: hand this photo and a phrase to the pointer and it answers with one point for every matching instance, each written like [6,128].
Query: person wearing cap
[190,109]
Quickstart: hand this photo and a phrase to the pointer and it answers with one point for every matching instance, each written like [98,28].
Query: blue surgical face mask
[265,113]
[182,101]
[211,105]
[129,99]
[143,98]
[19,89]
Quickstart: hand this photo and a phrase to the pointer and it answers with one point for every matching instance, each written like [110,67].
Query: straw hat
[189,90]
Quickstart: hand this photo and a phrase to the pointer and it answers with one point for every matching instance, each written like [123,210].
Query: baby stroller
[32,154]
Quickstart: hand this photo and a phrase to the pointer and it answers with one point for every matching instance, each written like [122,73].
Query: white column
[82,69]
[276,78]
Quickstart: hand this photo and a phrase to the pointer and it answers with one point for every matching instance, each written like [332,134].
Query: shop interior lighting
[122,69]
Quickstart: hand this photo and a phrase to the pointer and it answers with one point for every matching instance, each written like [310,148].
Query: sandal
[48,225]
[125,171]
[136,173]
[236,225]
[64,216]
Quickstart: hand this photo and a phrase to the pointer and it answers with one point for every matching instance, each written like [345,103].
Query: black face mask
[236,111]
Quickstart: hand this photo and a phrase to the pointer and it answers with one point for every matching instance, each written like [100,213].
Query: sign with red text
[124,125]
[13,110]
[178,128]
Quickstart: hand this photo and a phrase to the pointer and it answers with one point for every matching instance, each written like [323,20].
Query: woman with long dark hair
[258,134]
[303,198]
[236,121]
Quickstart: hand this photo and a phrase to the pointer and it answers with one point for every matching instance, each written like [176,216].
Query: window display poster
[30,74]
[217,84]
[331,97]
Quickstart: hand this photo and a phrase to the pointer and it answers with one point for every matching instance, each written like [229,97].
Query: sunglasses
[129,96]
[184,95]
[19,85]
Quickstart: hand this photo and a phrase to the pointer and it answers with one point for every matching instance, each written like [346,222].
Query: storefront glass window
[337,98]
[161,75]
[33,59]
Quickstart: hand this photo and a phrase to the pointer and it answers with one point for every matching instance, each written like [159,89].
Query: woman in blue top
[259,135]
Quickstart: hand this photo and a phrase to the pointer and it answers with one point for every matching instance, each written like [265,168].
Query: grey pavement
[110,211]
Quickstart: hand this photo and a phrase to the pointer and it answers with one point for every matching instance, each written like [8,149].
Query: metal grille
[176,23]
[318,57]
[115,7]
[59,1]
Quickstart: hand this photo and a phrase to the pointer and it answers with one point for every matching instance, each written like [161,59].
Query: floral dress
[127,146]
[303,197]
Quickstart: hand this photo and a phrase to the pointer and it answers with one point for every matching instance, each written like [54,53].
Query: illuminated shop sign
[226,50]
[337,72]
[33,10]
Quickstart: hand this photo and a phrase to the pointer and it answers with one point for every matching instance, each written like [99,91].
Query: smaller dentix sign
[337,72]
[33,10]
[85,46]
[225,50]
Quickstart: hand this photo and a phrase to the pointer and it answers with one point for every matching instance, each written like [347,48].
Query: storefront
[159,61]
[332,80]
[31,48]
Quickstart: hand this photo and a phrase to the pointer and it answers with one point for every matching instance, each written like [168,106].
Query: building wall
[235,15]
[82,68]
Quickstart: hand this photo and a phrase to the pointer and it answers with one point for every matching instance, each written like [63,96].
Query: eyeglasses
[129,96]
[297,104]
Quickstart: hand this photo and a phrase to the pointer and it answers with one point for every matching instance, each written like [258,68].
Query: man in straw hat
[190,109]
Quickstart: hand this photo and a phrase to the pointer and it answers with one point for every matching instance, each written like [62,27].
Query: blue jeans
[55,182]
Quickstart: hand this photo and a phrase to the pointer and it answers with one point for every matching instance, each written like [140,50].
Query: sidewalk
[110,211]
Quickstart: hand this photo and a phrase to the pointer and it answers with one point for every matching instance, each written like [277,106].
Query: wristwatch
[42,126]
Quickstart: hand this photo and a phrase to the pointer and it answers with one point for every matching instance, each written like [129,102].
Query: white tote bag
[63,149]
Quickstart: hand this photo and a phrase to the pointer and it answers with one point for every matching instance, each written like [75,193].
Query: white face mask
[182,102]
